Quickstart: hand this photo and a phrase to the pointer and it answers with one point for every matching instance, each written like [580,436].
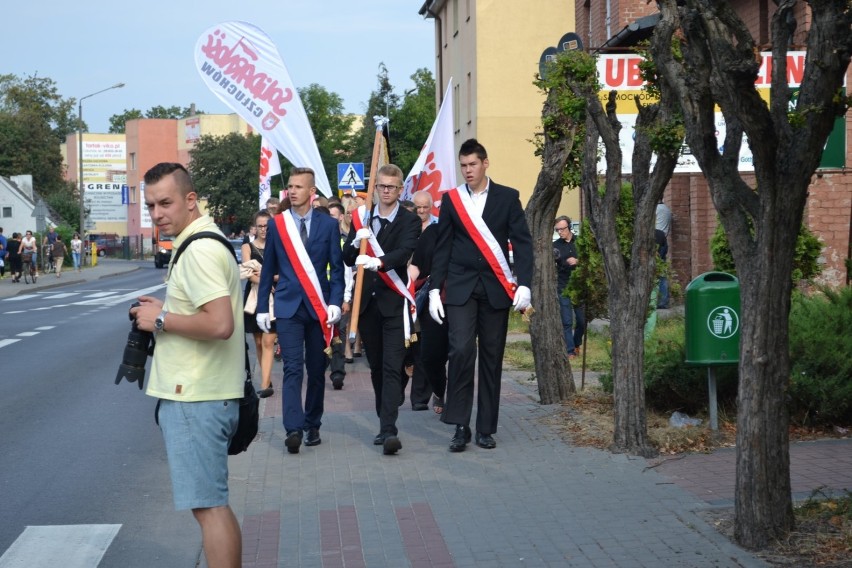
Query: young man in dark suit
[477,222]
[303,250]
[392,233]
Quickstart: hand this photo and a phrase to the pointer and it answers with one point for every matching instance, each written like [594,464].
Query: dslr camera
[140,346]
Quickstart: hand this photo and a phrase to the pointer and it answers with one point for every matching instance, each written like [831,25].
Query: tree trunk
[719,66]
[555,380]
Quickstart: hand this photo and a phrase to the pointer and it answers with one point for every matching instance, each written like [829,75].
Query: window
[134,196]
[469,97]
[133,160]
[456,17]
[456,106]
[7,211]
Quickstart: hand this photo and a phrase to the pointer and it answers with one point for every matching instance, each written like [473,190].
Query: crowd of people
[21,252]
[427,299]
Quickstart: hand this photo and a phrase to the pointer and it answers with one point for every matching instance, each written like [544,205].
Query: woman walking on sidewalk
[76,250]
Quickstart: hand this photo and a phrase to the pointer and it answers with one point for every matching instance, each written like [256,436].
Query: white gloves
[522,299]
[264,322]
[436,307]
[363,233]
[369,262]
[333,313]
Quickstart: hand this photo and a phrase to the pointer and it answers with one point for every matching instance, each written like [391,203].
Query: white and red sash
[482,237]
[390,278]
[304,269]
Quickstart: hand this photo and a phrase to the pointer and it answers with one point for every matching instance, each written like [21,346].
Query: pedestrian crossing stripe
[69,546]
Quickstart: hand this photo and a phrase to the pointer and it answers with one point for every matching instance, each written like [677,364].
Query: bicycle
[48,265]
[29,269]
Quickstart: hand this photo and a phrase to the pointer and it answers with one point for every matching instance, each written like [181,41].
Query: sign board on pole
[350,176]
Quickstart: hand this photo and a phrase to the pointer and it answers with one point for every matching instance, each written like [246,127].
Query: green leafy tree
[117,121]
[411,122]
[331,126]
[34,120]
[383,101]
[224,170]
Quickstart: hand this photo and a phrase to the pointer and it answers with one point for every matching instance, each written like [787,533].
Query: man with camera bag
[197,370]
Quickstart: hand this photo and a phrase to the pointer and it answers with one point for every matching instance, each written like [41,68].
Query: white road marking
[70,546]
[62,295]
[101,294]
[128,298]
[27,333]
[19,298]
[5,342]
[45,328]
[16,312]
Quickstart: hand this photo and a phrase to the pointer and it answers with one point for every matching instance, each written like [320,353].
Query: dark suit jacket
[458,261]
[398,241]
[324,251]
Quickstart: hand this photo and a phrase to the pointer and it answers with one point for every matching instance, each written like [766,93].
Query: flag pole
[359,277]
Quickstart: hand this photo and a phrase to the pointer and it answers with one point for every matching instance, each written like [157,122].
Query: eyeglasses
[383,187]
[562,228]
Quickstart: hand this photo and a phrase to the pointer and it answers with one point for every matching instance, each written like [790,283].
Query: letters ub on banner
[621,72]
[241,65]
[435,168]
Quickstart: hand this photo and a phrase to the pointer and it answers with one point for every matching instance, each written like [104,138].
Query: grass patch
[517,323]
[519,354]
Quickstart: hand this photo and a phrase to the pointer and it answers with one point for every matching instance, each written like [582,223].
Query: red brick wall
[829,216]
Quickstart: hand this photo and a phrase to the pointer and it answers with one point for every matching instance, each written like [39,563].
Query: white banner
[241,65]
[435,168]
[269,166]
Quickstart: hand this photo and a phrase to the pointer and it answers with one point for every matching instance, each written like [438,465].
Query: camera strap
[181,248]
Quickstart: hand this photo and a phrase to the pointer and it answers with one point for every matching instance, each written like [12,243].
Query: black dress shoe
[391,445]
[485,441]
[267,392]
[379,439]
[313,437]
[293,441]
[420,406]
[460,439]
[349,360]
[337,383]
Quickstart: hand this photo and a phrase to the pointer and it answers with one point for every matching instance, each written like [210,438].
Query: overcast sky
[89,45]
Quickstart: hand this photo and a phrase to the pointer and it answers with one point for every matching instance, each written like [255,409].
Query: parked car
[105,243]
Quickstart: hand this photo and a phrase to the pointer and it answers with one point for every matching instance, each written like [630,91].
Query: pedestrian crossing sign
[350,176]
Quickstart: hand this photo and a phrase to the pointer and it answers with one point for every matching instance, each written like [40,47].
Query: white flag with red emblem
[435,168]
[269,166]
[241,65]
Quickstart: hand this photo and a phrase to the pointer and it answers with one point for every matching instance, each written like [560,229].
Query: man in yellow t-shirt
[198,367]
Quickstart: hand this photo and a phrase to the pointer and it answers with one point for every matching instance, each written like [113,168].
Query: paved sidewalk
[532,501]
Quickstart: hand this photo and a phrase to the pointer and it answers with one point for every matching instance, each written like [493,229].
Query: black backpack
[249,403]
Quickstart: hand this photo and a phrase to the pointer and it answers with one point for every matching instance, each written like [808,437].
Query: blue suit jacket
[324,251]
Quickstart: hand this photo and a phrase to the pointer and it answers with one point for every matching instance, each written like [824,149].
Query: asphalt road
[77,451]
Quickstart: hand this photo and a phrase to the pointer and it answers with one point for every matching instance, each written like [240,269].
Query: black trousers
[475,320]
[384,339]
[337,362]
[430,366]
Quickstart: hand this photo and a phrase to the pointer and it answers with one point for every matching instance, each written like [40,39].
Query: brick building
[610,26]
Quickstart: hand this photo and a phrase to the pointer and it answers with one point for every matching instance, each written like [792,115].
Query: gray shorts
[197,435]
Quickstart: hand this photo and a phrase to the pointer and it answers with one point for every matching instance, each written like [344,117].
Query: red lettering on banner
[795,70]
[241,69]
[265,155]
[623,72]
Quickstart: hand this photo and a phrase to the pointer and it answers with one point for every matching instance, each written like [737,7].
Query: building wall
[149,142]
[829,208]
[491,50]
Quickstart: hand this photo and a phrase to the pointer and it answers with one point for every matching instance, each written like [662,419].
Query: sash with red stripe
[393,281]
[483,238]
[304,269]
[391,278]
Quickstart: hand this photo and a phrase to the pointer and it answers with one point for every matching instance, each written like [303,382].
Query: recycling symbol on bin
[723,322]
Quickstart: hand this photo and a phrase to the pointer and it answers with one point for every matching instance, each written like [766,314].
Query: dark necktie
[303,231]
[383,223]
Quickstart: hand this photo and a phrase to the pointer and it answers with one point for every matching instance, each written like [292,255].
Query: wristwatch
[160,322]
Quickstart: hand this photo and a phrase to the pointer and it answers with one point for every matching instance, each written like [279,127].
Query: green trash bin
[713,320]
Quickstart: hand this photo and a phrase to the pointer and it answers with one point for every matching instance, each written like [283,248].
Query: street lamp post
[80,162]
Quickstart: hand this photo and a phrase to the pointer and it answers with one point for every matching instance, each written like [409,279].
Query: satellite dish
[547,56]
[569,42]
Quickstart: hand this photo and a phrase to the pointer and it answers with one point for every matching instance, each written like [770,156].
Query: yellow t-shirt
[193,370]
